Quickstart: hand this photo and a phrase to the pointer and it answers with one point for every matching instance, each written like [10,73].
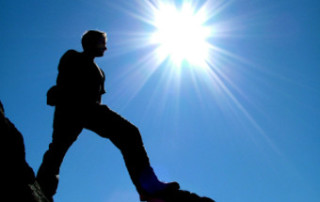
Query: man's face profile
[97,48]
[100,47]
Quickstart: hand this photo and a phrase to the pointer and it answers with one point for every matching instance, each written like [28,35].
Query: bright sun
[181,34]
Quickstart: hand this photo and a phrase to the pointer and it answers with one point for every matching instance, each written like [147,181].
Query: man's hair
[91,37]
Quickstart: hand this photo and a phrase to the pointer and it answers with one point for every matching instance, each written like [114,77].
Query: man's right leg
[64,134]
[126,137]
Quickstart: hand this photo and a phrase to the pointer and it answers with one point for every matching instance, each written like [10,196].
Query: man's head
[94,42]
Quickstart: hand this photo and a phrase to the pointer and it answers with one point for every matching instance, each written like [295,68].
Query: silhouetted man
[77,101]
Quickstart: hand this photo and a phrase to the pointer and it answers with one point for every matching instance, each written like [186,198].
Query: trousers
[68,124]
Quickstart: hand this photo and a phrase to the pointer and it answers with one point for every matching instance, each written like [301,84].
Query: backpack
[52,96]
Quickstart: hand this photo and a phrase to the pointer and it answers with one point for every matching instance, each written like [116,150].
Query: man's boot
[151,187]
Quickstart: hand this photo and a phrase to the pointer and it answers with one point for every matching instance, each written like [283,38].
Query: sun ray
[138,73]
[181,38]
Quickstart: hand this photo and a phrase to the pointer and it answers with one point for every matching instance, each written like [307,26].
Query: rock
[19,182]
[185,196]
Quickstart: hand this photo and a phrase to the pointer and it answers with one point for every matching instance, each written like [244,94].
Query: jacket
[80,81]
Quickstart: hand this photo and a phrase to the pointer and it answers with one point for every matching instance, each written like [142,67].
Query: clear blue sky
[246,130]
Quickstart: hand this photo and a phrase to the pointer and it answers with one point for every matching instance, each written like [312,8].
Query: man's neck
[88,55]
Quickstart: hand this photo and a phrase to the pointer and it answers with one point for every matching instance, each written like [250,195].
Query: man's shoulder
[70,56]
[69,59]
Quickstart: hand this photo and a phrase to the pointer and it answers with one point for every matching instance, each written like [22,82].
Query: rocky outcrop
[180,195]
[18,178]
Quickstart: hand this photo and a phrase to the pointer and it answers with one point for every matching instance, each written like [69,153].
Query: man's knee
[126,137]
[131,132]
[132,128]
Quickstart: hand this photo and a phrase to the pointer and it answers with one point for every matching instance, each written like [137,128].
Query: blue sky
[244,129]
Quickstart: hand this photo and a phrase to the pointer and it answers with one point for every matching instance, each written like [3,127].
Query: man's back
[80,80]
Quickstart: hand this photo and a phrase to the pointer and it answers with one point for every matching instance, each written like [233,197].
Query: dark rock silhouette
[18,179]
[181,195]
[186,196]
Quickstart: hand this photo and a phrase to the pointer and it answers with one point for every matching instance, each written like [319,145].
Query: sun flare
[181,34]
[184,49]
